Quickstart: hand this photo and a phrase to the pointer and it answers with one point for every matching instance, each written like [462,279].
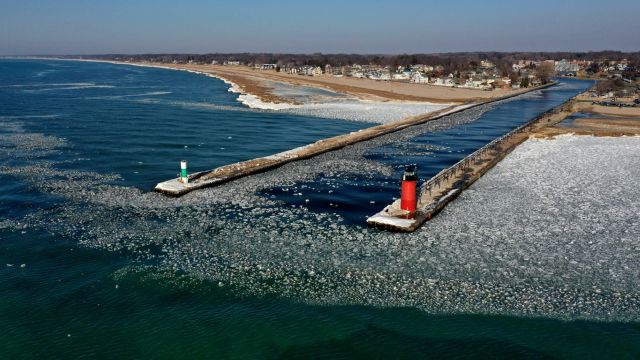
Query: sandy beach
[613,123]
[256,82]
[611,110]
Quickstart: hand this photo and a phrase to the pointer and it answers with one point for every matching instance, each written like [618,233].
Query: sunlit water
[274,265]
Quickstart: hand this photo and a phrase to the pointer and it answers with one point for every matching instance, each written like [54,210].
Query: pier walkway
[445,186]
[220,175]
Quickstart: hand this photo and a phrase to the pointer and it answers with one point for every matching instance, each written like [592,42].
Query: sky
[75,27]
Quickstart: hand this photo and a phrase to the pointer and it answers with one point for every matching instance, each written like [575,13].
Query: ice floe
[551,231]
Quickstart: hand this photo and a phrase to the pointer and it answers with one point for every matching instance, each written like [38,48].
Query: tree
[514,76]
[605,86]
[545,71]
[524,82]
[593,68]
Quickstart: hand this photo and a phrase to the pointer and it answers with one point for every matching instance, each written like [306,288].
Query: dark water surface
[432,151]
[67,298]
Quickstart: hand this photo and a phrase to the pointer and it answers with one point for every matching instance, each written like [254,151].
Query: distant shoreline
[248,99]
[255,91]
[255,82]
[258,100]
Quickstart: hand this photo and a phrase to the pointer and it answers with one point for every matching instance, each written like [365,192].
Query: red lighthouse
[408,199]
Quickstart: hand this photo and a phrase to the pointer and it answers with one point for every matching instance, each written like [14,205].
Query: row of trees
[452,62]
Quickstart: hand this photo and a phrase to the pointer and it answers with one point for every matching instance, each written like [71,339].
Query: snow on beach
[347,108]
[369,111]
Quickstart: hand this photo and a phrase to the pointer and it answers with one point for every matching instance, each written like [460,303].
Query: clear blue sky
[400,26]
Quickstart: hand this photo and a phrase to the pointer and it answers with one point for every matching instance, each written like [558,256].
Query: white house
[486,64]
[447,81]
[418,78]
[379,75]
[400,76]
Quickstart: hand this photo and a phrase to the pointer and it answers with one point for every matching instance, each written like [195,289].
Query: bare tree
[545,71]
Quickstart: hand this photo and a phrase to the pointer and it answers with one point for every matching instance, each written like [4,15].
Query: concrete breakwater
[444,187]
[223,174]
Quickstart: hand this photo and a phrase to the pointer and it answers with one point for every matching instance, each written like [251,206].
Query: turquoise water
[93,265]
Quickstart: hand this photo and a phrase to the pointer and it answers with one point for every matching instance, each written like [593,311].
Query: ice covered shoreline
[353,109]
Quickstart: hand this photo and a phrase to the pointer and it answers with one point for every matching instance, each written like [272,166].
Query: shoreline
[366,90]
[255,91]
[260,97]
[250,100]
[260,100]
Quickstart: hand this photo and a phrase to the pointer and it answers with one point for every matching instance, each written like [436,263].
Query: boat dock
[445,186]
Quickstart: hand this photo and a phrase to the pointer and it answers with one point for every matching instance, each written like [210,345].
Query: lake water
[277,265]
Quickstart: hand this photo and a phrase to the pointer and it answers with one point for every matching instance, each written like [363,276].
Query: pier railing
[494,145]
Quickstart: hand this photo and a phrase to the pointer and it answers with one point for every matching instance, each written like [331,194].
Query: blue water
[131,126]
[140,122]
[354,197]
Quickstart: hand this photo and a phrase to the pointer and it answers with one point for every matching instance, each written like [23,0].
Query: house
[310,70]
[268,66]
[566,66]
[418,78]
[485,64]
[378,75]
[401,76]
[533,80]
[475,83]
[446,81]
[501,83]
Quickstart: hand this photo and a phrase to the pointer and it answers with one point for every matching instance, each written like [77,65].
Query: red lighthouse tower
[408,200]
